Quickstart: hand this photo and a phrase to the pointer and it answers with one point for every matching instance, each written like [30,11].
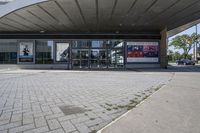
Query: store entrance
[97,55]
[80,58]
[98,59]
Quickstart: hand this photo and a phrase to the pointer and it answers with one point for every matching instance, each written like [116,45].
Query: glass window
[98,44]
[80,54]
[62,52]
[94,54]
[44,52]
[116,58]
[8,51]
[115,44]
[80,44]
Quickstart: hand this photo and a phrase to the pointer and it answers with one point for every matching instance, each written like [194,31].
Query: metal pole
[196,45]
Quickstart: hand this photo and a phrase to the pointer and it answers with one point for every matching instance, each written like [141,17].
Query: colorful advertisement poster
[26,52]
[142,52]
[62,52]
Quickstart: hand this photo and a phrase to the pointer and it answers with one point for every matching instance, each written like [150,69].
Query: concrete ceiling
[96,16]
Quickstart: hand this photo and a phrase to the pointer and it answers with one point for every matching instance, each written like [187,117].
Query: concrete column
[163,49]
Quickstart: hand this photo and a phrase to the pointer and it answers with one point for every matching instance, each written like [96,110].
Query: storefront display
[26,52]
[62,52]
[142,52]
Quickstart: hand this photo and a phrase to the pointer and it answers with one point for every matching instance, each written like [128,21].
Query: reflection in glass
[98,58]
[80,58]
[8,52]
[115,44]
[102,55]
[44,52]
[80,44]
[116,58]
[98,44]
[94,54]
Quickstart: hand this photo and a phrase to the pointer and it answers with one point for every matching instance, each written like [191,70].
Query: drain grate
[68,110]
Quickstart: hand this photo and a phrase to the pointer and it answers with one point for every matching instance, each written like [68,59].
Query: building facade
[81,54]
[91,34]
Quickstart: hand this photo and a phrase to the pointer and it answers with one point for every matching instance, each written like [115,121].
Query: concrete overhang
[182,28]
[97,16]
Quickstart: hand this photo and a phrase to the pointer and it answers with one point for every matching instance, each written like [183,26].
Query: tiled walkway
[70,101]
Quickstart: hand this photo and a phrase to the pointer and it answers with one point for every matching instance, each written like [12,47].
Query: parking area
[70,101]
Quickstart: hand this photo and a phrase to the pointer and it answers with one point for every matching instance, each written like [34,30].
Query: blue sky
[188,31]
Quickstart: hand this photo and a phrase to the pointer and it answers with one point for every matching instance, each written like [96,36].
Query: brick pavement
[30,100]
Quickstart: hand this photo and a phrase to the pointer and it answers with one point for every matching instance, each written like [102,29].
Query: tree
[185,42]
[170,55]
[177,55]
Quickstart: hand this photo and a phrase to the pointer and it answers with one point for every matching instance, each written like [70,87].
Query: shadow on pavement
[170,68]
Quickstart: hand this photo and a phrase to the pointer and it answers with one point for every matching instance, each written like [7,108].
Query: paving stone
[27,119]
[5,116]
[68,117]
[5,131]
[36,96]
[57,131]
[4,122]
[80,119]
[10,125]
[40,121]
[54,116]
[21,128]
[38,130]
[82,128]
[16,117]
[93,122]
[53,124]
[75,132]
[67,126]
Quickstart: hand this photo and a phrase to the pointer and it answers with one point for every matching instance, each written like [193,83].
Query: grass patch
[137,95]
[130,107]
[133,101]
[93,131]
[121,106]
[115,108]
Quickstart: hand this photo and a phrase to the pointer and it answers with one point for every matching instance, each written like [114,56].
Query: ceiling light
[42,31]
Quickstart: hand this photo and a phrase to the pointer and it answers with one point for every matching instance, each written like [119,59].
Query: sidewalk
[175,108]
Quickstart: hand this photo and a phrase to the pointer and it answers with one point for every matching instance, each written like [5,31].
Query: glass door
[98,59]
[80,58]
[94,58]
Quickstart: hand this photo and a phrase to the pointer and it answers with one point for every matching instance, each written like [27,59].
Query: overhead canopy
[96,16]
[182,28]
